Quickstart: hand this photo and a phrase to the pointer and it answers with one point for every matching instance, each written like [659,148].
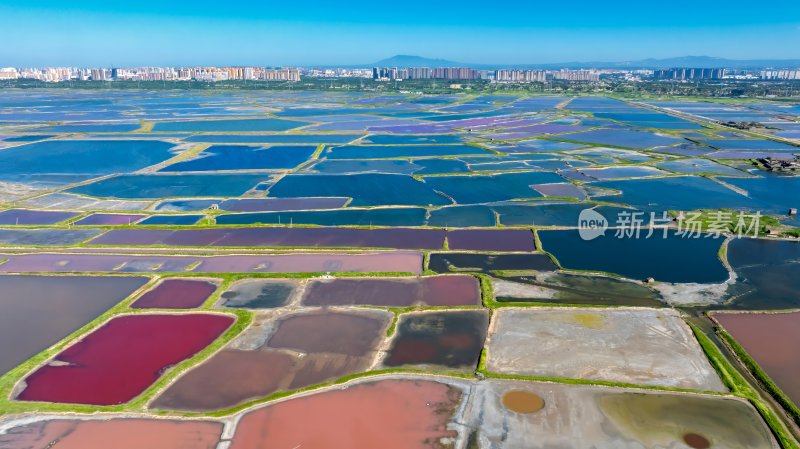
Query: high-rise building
[689,74]
[781,74]
[520,76]
[577,75]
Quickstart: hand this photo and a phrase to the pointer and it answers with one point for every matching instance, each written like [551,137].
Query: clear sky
[309,32]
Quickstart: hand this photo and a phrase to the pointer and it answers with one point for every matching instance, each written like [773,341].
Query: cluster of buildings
[520,76]
[540,76]
[781,74]
[209,74]
[689,74]
[214,74]
[440,73]
[337,73]
[500,76]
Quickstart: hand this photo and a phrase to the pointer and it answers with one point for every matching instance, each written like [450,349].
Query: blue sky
[178,32]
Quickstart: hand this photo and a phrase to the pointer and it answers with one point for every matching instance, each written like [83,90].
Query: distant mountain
[682,61]
[416,61]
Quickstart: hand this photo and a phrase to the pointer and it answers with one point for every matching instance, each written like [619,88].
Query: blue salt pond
[365,189]
[399,166]
[676,193]
[622,138]
[491,188]
[462,216]
[163,186]
[407,139]
[699,165]
[171,220]
[243,157]
[752,144]
[92,127]
[275,138]
[391,151]
[256,124]
[92,157]
[674,259]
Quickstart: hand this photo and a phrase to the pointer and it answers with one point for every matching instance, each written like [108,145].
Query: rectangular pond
[673,259]
[36,312]
[244,157]
[168,185]
[385,261]
[33,217]
[456,290]
[770,339]
[365,189]
[118,361]
[399,238]
[232,125]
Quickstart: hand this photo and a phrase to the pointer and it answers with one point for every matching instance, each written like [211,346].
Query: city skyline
[92,33]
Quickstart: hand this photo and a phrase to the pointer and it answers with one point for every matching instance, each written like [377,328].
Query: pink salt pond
[388,414]
[113,433]
[176,294]
[119,360]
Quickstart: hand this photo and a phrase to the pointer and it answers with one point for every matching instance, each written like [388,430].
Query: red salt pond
[389,414]
[118,361]
[113,433]
[176,294]
[454,290]
[771,340]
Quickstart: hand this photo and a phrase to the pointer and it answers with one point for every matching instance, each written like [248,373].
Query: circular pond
[521,401]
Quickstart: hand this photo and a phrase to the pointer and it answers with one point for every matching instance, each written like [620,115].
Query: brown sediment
[229,378]
[452,338]
[522,401]
[318,368]
[114,433]
[696,441]
[661,420]
[388,414]
[338,333]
